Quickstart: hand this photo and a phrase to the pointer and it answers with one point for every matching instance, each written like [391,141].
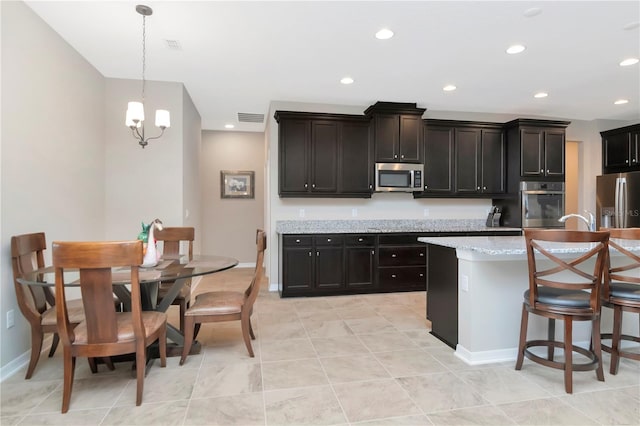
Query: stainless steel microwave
[399,177]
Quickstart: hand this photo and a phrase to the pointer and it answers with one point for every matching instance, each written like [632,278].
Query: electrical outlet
[464,283]
[354,212]
[425,213]
[301,213]
[11,318]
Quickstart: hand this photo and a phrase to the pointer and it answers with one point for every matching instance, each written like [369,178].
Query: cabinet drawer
[360,240]
[296,240]
[402,256]
[328,240]
[413,277]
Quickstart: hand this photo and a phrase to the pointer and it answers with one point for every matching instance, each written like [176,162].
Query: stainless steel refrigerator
[618,200]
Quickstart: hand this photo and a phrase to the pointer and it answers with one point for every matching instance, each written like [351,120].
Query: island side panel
[442,293]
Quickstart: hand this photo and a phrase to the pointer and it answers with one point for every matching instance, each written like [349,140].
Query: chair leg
[597,347]
[245,321]
[568,354]
[162,342]
[141,362]
[183,309]
[196,330]
[551,336]
[523,337]
[189,331]
[69,371]
[615,339]
[36,347]
[93,366]
[253,336]
[54,344]
[109,363]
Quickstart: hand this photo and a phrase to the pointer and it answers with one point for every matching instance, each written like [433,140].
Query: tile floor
[343,360]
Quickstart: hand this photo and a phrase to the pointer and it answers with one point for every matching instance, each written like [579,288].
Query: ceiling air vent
[247,117]
[173,44]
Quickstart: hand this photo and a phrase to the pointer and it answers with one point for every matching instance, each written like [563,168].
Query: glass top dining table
[175,270]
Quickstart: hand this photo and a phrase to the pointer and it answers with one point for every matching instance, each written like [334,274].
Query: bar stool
[564,289]
[621,291]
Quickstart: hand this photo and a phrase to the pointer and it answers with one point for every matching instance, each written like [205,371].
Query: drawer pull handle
[309,254]
[328,240]
[298,241]
[393,275]
[421,254]
[421,274]
[317,254]
[360,239]
[394,255]
[373,252]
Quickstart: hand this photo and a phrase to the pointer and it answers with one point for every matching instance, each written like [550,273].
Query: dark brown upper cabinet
[324,155]
[535,150]
[621,149]
[463,159]
[397,132]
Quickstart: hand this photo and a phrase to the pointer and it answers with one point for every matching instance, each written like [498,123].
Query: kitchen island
[332,257]
[475,289]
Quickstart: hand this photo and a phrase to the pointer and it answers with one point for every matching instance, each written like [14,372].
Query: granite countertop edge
[384,226]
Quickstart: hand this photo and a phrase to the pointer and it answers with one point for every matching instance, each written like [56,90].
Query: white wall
[142,184]
[229,225]
[52,149]
[191,175]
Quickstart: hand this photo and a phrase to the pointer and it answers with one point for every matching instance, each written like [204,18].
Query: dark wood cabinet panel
[329,267]
[621,149]
[359,267]
[442,293]
[402,278]
[297,270]
[397,132]
[493,162]
[532,152]
[324,155]
[401,256]
[356,171]
[293,136]
[467,143]
[438,159]
[554,148]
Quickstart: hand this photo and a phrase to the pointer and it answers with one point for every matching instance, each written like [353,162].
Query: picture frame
[237,184]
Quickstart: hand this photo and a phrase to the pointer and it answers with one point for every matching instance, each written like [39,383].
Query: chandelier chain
[144,53]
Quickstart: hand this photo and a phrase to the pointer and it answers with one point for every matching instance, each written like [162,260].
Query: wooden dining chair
[104,332]
[621,291]
[37,303]
[172,238]
[217,306]
[564,287]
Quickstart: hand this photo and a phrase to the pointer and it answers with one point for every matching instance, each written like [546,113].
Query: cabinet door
[294,138]
[329,268]
[615,149]
[410,138]
[324,156]
[467,156]
[532,147]
[493,162]
[387,133]
[355,162]
[635,149]
[438,160]
[297,266]
[554,153]
[360,267]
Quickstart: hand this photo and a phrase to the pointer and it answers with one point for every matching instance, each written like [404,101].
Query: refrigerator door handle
[623,202]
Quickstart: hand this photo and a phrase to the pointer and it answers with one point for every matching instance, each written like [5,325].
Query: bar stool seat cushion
[561,297]
[625,290]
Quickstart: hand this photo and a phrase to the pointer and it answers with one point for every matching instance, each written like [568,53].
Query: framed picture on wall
[236,184]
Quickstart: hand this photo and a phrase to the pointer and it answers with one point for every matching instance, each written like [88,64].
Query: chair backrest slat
[251,293]
[27,255]
[95,261]
[171,238]
[627,267]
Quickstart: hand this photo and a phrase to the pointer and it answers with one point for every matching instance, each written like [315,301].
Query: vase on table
[151,255]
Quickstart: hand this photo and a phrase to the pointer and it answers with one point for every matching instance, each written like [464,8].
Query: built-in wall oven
[542,204]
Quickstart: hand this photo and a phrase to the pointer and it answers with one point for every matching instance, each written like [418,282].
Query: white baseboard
[274,286]
[15,365]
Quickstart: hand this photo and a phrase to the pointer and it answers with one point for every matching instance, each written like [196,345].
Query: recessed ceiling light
[632,25]
[629,61]
[384,34]
[516,48]
[541,95]
[449,88]
[621,101]
[533,11]
[346,80]
[229,126]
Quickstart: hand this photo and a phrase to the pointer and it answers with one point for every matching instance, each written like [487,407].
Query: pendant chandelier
[135,110]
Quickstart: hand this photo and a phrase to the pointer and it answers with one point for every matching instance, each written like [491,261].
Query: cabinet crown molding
[394,108]
[536,122]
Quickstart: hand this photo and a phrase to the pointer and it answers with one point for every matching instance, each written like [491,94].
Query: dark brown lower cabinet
[359,255]
[442,293]
[401,263]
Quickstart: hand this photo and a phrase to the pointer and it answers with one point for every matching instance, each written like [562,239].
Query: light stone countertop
[501,246]
[384,226]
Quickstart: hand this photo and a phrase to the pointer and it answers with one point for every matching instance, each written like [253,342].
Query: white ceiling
[239,56]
